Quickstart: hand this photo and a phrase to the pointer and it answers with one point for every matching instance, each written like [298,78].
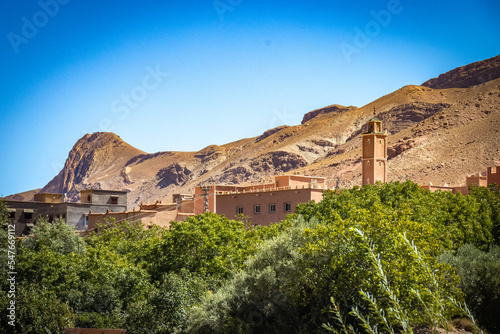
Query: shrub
[57,236]
[480,281]
[287,285]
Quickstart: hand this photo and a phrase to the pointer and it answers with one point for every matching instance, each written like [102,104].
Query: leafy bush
[209,274]
[57,236]
[208,244]
[257,299]
[453,219]
[287,285]
[480,281]
[165,308]
[39,311]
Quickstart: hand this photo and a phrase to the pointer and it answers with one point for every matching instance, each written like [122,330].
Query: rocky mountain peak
[334,108]
[425,125]
[467,76]
[91,153]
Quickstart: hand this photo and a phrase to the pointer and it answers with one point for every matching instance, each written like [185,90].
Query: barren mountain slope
[468,75]
[95,160]
[24,196]
[458,140]
[437,135]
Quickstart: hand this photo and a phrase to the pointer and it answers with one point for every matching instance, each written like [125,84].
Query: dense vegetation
[376,259]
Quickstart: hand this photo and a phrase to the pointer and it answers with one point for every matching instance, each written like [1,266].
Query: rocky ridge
[437,135]
[467,76]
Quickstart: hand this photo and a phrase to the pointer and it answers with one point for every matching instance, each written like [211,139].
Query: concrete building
[374,153]
[51,206]
[263,203]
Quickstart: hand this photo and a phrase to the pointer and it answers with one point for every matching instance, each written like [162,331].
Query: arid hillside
[467,76]
[437,135]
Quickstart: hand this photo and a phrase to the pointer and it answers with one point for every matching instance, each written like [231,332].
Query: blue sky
[181,75]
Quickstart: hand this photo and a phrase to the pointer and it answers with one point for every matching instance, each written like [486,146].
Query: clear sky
[181,75]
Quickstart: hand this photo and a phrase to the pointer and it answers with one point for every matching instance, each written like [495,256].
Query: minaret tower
[374,153]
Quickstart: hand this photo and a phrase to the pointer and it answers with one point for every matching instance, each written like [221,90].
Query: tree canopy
[386,257]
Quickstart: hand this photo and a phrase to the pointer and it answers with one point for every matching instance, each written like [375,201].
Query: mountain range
[439,132]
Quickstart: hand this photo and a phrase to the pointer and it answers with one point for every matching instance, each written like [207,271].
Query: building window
[288,207]
[89,198]
[380,141]
[368,180]
[368,163]
[380,163]
[368,141]
[12,214]
[256,209]
[28,215]
[114,199]
[272,208]
[86,220]
[239,210]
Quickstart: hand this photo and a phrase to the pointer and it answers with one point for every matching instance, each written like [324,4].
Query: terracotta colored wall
[493,175]
[163,218]
[479,181]
[227,204]
[145,217]
[297,180]
[198,197]
[462,190]
[374,158]
[368,149]
[187,206]
[368,171]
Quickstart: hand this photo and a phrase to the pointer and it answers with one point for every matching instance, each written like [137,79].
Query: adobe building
[159,213]
[493,175]
[484,179]
[475,180]
[51,206]
[374,153]
[185,202]
[264,203]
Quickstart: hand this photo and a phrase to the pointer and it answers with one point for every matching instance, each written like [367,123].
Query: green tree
[40,311]
[207,244]
[257,299]
[166,306]
[57,236]
[479,273]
